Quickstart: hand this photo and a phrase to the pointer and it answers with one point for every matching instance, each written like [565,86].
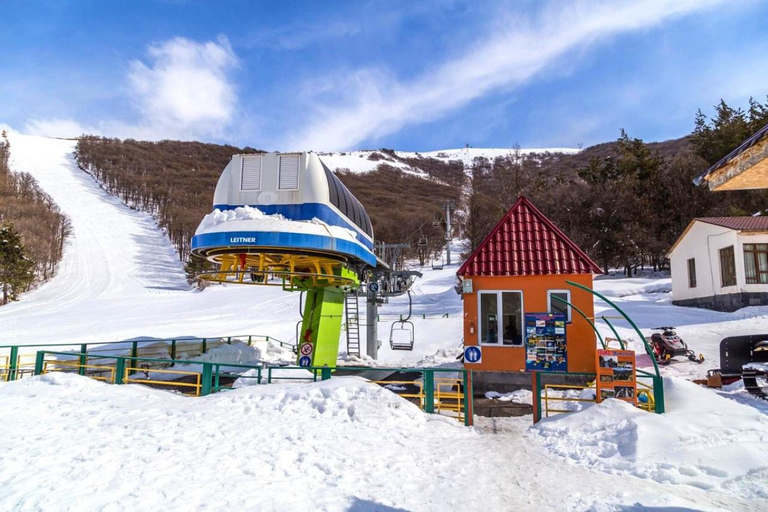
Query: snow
[247,218]
[704,440]
[217,217]
[342,444]
[519,396]
[358,162]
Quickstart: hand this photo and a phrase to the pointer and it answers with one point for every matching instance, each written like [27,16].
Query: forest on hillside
[33,229]
[625,202]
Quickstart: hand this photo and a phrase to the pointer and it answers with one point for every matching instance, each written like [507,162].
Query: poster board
[546,349]
[616,375]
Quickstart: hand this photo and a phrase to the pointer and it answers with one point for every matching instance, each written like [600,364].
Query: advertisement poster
[545,345]
[616,375]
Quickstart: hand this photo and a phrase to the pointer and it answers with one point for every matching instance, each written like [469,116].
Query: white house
[721,263]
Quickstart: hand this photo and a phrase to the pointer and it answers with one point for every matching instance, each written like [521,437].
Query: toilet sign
[473,355]
[306,349]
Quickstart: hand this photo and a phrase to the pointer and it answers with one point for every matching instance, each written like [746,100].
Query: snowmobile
[667,344]
[755,374]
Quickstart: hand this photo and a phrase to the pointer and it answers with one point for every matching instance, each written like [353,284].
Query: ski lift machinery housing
[284,219]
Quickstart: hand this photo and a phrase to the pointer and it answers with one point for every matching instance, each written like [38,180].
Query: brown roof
[738,223]
[525,242]
[735,223]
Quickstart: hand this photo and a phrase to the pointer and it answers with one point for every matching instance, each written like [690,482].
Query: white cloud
[186,89]
[374,103]
[65,128]
[183,91]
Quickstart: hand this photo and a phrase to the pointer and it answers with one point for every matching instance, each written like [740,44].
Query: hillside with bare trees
[27,211]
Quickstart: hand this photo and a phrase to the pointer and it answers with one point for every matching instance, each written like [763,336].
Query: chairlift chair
[437,263]
[405,328]
[423,241]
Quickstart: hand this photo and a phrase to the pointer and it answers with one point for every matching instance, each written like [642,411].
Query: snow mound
[217,217]
[343,399]
[704,440]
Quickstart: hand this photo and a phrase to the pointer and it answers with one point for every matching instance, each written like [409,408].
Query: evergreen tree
[713,139]
[16,270]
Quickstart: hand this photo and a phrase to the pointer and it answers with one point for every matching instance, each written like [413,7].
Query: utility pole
[448,206]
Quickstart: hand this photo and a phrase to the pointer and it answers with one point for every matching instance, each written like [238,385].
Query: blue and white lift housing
[284,203]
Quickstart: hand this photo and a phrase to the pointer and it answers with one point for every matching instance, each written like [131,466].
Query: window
[727,267]
[756,263]
[288,172]
[501,318]
[692,273]
[558,306]
[250,173]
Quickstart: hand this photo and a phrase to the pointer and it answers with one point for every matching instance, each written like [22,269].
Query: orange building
[520,269]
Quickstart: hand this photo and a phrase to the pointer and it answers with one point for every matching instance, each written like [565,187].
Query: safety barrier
[650,395]
[566,399]
[129,379]
[14,366]
[75,367]
[392,385]
[436,394]
[451,399]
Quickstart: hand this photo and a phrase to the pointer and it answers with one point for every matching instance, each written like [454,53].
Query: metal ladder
[353,324]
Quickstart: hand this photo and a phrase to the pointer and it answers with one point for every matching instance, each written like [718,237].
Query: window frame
[243,159]
[568,315]
[755,255]
[692,275]
[499,314]
[723,275]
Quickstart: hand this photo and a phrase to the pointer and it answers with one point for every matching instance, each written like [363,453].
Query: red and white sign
[306,349]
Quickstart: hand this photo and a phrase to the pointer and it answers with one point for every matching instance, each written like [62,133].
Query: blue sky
[417,76]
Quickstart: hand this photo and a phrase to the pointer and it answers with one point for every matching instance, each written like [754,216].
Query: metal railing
[557,398]
[433,395]
[13,366]
[653,392]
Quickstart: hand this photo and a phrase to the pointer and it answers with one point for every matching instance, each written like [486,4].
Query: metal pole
[371,324]
[448,231]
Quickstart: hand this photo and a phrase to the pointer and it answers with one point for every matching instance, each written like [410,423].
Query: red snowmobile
[668,344]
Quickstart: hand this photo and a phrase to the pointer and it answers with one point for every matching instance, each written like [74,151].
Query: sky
[412,76]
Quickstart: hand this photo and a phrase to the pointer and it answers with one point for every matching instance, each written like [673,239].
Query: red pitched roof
[738,223]
[524,243]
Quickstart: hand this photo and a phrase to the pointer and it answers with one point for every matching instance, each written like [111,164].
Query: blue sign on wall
[305,361]
[473,355]
[545,343]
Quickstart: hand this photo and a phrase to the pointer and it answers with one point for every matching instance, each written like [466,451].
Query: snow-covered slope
[360,161]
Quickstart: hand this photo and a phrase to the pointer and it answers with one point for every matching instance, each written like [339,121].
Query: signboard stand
[616,375]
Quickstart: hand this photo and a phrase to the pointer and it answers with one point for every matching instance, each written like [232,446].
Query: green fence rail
[14,369]
[212,373]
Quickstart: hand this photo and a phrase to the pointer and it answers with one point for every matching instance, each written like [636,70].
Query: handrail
[155,340]
[212,372]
